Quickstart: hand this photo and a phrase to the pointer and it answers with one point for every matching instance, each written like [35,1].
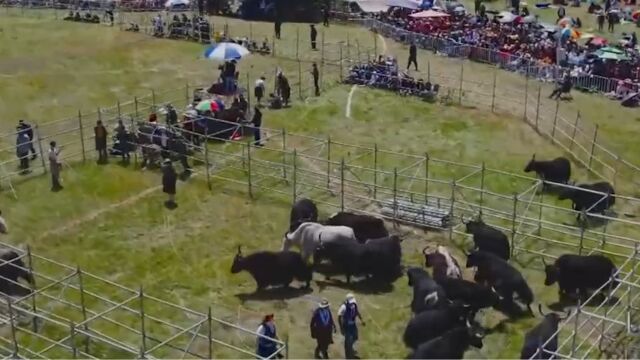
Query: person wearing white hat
[347,315]
[322,329]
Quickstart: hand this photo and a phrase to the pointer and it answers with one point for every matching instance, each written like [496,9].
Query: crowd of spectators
[522,42]
[384,74]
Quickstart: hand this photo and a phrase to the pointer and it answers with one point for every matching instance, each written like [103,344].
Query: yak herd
[444,304]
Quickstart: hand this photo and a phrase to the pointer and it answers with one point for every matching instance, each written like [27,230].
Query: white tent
[176,3]
[407,4]
[371,6]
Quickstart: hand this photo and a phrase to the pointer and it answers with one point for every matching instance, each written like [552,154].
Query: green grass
[184,256]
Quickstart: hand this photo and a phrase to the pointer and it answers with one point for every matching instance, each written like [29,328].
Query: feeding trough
[433,214]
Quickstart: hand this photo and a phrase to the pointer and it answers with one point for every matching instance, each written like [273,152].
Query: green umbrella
[614,50]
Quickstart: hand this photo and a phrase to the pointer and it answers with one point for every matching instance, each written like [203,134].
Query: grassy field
[109,220]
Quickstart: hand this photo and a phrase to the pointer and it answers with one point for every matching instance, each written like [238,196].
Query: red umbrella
[635,15]
[598,41]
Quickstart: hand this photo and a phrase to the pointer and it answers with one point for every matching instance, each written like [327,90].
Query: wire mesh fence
[71,313]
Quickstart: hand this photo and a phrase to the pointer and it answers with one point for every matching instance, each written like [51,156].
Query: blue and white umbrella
[226,51]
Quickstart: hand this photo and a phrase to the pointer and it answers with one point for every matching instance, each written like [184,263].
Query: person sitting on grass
[275,102]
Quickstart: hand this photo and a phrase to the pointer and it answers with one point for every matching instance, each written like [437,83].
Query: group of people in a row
[26,152]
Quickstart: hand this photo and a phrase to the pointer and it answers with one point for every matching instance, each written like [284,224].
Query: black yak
[451,345]
[489,239]
[364,226]
[542,341]
[427,294]
[272,268]
[591,202]
[430,324]
[577,273]
[303,210]
[477,296]
[557,170]
[500,275]
[12,269]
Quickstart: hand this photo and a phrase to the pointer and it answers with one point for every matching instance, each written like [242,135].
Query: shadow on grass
[513,310]
[276,293]
[358,284]
[571,302]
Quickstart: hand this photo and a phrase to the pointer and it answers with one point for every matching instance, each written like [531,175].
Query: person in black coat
[316,78]
[314,35]
[413,56]
[169,180]
[27,129]
[322,329]
[100,135]
[257,122]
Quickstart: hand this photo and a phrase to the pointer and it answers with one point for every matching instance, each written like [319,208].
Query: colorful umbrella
[428,14]
[611,55]
[598,41]
[208,105]
[226,51]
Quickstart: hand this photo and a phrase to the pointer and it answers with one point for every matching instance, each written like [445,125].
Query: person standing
[266,346]
[54,166]
[413,56]
[611,21]
[600,18]
[325,16]
[123,141]
[322,329]
[27,129]
[22,151]
[314,35]
[259,89]
[169,180]
[316,78]
[100,134]
[284,90]
[347,315]
[277,26]
[561,13]
[257,122]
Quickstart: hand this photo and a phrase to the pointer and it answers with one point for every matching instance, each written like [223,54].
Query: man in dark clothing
[284,90]
[563,86]
[611,20]
[476,6]
[54,167]
[325,16]
[257,122]
[347,315]
[314,36]
[322,329]
[169,180]
[600,19]
[123,141]
[561,12]
[278,26]
[22,152]
[100,135]
[413,56]
[172,115]
[316,77]
[27,129]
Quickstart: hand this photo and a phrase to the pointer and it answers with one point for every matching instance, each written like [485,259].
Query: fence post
[16,347]
[135,153]
[461,78]
[575,129]
[375,43]
[342,184]
[44,166]
[452,207]
[482,172]
[209,334]
[538,108]
[493,90]
[119,109]
[526,97]
[153,100]
[143,348]
[593,145]
[33,298]
[429,71]
[84,155]
[83,307]
[375,171]
[513,224]
[206,157]
[186,93]
[340,52]
[72,340]
[322,60]
[553,129]
[540,212]
[582,231]
[328,162]
[300,80]
[284,154]
[135,104]
[395,195]
[575,329]
[348,47]
[297,43]
[295,174]
[426,178]
[249,168]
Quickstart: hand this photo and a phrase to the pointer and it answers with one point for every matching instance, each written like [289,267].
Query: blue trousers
[350,338]
[266,351]
[229,84]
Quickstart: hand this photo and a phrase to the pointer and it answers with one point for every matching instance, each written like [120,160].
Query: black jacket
[413,51]
[257,118]
[169,179]
[314,34]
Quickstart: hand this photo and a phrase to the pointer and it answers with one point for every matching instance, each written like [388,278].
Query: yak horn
[540,310]
[239,250]
[543,262]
